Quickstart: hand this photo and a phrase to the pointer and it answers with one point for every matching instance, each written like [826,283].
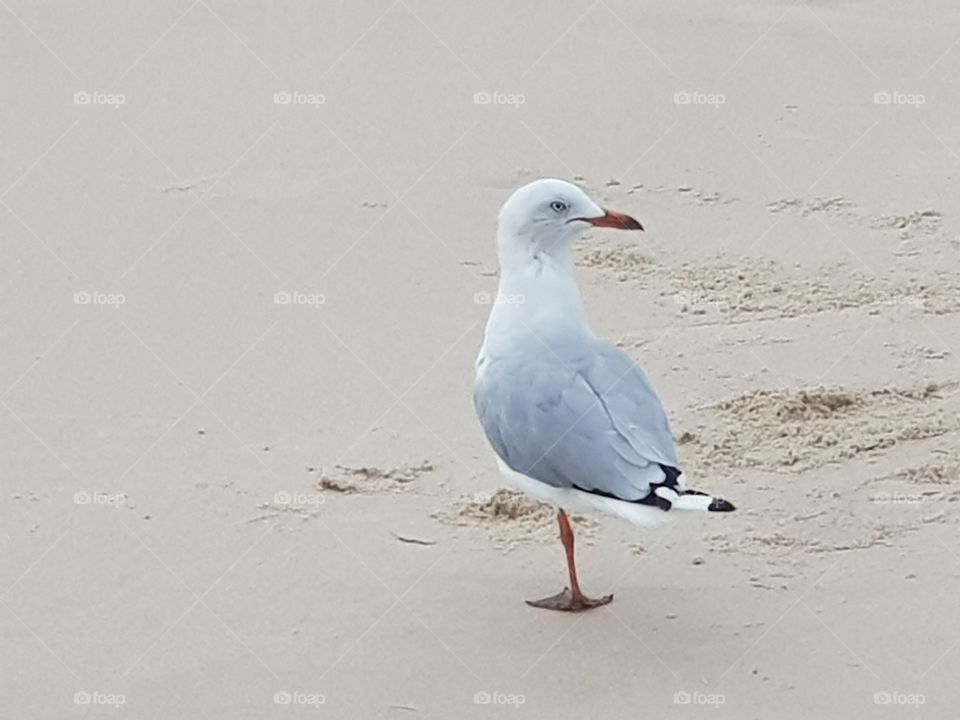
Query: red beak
[613,219]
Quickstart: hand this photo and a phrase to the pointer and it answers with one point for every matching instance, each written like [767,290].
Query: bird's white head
[546,215]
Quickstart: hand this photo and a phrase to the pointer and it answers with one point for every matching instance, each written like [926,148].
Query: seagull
[573,420]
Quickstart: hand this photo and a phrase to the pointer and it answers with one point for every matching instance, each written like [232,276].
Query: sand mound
[918,222]
[763,288]
[804,206]
[511,517]
[933,473]
[801,429]
[366,479]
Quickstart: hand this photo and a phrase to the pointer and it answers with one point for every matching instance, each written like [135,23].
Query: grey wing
[593,422]
[632,404]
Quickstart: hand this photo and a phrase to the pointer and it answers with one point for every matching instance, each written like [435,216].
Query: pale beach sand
[247,255]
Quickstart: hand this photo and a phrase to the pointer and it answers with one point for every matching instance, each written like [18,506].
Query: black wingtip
[721,505]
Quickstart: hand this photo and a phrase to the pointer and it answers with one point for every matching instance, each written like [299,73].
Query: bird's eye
[558,206]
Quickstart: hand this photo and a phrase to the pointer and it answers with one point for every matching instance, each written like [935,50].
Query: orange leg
[571,599]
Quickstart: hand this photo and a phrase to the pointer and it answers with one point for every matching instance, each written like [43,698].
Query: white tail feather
[693,502]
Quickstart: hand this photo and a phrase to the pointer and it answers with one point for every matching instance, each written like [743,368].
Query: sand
[247,254]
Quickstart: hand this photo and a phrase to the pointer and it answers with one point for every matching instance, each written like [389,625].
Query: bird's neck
[537,296]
